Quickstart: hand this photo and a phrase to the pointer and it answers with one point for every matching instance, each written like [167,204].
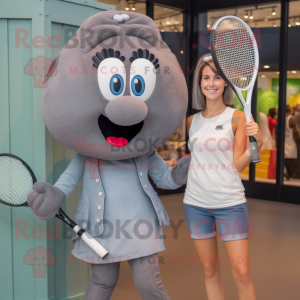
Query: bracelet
[248,153]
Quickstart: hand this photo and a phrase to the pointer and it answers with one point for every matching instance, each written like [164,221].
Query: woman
[290,148]
[272,117]
[218,138]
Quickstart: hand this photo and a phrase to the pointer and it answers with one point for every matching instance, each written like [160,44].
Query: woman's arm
[188,124]
[242,130]
[292,122]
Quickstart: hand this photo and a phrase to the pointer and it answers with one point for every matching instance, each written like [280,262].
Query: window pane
[268,38]
[168,19]
[264,20]
[292,131]
[170,24]
[134,6]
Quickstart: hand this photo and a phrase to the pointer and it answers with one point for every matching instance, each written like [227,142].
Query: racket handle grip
[254,150]
[90,241]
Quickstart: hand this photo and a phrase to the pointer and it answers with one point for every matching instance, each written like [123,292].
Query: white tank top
[213,181]
[290,148]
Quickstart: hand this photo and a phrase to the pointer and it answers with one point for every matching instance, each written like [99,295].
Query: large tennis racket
[235,54]
[16,181]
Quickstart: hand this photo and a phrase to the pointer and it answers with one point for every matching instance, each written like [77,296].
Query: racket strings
[235,52]
[15,181]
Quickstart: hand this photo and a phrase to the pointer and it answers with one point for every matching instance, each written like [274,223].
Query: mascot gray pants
[146,275]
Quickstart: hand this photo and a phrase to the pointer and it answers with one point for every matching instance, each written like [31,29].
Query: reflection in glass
[133,6]
[168,19]
[264,20]
[292,122]
[170,24]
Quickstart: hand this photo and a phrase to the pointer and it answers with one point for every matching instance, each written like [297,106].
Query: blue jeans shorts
[233,222]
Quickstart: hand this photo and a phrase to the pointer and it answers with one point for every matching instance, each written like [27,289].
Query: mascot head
[118,91]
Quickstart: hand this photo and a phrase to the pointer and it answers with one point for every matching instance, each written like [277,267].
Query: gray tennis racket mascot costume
[128,97]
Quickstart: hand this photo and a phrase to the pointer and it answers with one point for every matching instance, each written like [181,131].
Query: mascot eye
[137,85]
[111,78]
[116,84]
[142,79]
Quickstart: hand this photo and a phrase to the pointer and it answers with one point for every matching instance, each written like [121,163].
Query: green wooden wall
[23,133]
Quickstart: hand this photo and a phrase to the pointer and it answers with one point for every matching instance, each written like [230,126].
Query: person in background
[296,134]
[290,148]
[272,117]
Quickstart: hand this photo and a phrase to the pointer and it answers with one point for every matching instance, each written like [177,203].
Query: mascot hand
[180,171]
[45,200]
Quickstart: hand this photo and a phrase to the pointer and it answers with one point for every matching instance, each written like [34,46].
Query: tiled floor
[274,248]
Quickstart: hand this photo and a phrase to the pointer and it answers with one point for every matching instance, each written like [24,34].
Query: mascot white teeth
[129,100]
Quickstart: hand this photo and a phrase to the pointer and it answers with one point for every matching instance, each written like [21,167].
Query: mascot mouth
[117,135]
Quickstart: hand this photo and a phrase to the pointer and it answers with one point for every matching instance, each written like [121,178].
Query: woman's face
[212,85]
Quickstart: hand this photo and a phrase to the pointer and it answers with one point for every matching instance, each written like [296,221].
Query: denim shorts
[233,222]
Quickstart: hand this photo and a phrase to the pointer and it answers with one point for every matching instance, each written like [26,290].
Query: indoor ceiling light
[208,25]
[266,67]
[273,12]
[246,15]
[133,6]
[251,16]
[277,72]
[294,72]
[126,8]
[290,25]
[263,76]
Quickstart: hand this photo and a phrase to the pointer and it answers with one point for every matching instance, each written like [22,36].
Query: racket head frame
[249,88]
[62,216]
[29,171]
[96,246]
[246,104]
[214,56]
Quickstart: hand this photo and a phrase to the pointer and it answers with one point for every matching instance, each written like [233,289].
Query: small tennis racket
[16,181]
[235,54]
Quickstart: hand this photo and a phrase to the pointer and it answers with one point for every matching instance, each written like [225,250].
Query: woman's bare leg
[238,255]
[207,250]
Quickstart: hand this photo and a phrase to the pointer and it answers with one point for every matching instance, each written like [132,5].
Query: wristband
[248,153]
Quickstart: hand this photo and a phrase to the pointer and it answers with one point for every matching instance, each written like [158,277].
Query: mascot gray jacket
[129,100]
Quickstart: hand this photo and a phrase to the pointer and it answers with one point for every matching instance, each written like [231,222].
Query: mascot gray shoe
[128,98]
